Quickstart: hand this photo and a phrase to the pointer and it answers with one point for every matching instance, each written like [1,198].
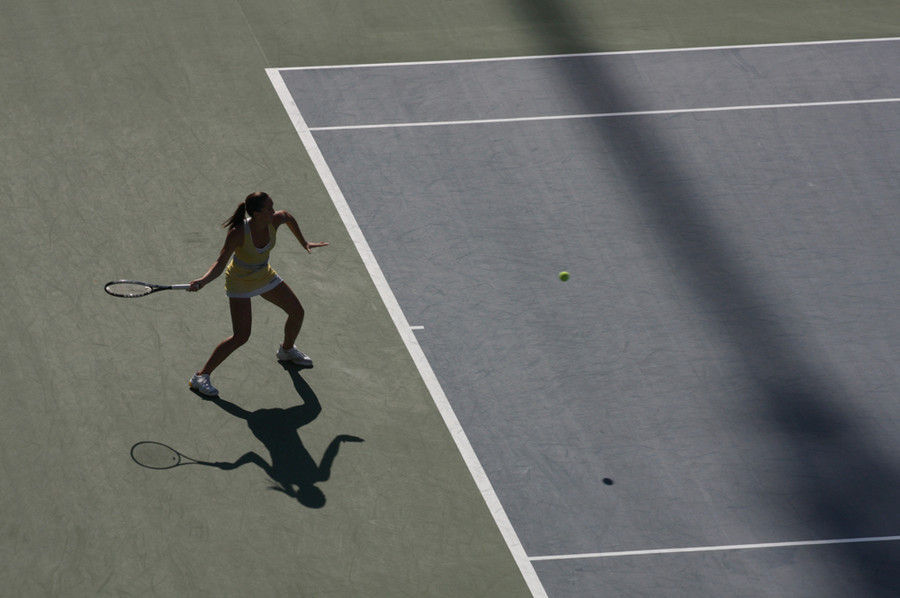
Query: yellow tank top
[249,256]
[248,273]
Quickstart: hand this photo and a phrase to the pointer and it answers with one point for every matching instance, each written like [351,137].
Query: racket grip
[181,287]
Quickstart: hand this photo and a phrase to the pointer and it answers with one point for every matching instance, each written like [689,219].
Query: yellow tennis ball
[564,276]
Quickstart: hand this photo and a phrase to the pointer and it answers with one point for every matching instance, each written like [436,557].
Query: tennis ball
[564,276]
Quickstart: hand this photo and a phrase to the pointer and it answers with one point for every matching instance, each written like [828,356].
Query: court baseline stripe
[594,555]
[604,115]
[404,329]
[586,54]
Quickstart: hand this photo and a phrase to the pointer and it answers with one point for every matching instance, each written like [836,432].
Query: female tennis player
[250,239]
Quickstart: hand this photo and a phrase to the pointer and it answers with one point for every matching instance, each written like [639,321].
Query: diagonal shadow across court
[802,399]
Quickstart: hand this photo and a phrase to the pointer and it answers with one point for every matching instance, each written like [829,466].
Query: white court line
[403,327]
[417,328]
[615,53]
[595,555]
[484,121]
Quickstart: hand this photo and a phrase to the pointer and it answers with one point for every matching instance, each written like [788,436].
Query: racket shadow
[291,468]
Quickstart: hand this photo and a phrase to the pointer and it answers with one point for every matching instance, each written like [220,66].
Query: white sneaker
[294,355]
[200,383]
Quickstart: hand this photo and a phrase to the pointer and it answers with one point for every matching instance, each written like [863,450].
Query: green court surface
[129,131]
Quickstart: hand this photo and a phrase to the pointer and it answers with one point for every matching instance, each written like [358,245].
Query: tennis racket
[156,455]
[133,288]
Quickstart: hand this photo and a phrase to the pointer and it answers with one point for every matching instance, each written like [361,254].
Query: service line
[597,555]
[485,121]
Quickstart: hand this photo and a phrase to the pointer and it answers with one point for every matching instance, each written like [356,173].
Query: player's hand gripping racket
[133,288]
[156,455]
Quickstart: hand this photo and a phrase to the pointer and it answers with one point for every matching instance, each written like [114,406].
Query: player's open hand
[309,246]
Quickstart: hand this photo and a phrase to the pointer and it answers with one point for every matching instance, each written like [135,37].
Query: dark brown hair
[252,203]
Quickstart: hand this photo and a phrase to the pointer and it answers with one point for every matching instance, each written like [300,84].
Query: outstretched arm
[284,217]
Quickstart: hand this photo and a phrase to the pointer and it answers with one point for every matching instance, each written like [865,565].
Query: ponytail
[252,203]
[237,219]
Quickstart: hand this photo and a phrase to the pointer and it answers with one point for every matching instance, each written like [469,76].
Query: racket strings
[128,289]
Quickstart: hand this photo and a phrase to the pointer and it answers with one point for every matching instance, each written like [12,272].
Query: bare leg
[284,297]
[241,319]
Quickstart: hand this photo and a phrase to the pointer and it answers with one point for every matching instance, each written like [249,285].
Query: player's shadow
[292,470]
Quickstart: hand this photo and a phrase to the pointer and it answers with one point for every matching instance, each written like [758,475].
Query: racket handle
[181,287]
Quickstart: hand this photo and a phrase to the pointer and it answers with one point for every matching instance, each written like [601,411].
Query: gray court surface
[721,369]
